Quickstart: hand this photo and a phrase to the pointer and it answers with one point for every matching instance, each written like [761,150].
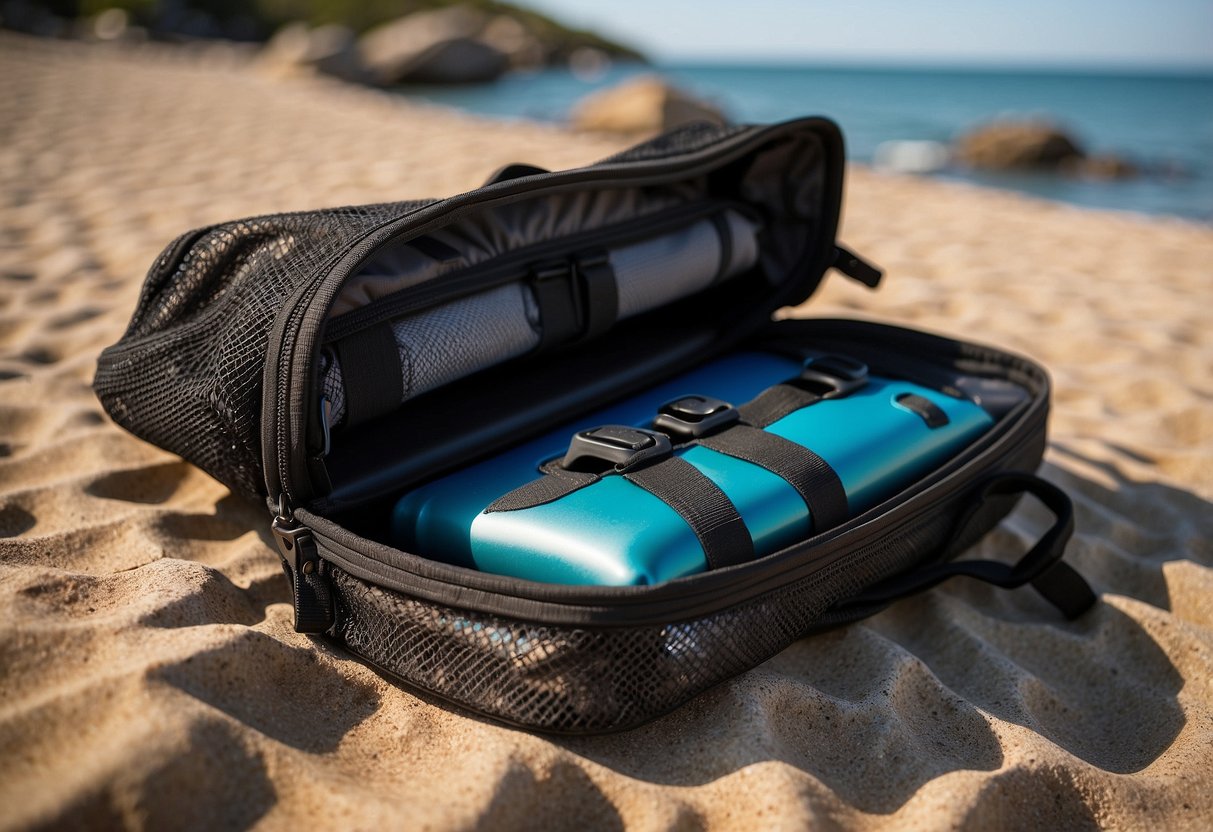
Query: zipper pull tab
[305,572]
[856,268]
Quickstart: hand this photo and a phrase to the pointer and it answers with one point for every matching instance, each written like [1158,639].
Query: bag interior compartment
[649,264]
[530,401]
[459,351]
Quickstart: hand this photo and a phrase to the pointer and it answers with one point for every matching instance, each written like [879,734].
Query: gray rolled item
[455,339]
[674,266]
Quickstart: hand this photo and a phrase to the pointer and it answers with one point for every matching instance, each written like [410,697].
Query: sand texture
[149,675]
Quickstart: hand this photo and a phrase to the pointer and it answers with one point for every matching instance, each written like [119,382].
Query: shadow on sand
[876,710]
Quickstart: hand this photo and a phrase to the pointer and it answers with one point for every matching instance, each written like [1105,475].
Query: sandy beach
[149,674]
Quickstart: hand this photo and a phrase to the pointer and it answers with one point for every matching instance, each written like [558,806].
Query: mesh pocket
[187,375]
[596,679]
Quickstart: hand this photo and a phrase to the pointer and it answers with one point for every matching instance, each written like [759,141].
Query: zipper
[281,350]
[506,268]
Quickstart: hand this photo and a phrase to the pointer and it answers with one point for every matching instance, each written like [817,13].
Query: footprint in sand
[15,520]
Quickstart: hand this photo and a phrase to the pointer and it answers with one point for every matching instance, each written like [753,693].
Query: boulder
[642,106]
[1012,145]
[435,47]
[330,49]
[1108,166]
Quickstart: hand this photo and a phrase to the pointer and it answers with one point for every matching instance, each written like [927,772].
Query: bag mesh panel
[686,139]
[187,375]
[585,680]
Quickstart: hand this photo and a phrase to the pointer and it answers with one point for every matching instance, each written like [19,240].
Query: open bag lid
[224,359]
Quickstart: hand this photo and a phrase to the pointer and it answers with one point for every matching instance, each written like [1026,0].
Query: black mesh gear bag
[326,361]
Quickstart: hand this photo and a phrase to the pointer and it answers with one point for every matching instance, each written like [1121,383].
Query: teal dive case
[878,439]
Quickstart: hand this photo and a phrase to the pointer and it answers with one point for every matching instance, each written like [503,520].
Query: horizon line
[933,63]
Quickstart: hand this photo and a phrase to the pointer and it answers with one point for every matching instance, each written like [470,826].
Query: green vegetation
[258,19]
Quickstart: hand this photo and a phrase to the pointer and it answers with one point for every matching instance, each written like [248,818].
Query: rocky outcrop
[330,49]
[519,44]
[1036,145]
[641,106]
[451,44]
[1017,145]
[435,47]
[1108,166]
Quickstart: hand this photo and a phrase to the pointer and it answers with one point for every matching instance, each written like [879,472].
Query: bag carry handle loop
[515,170]
[1042,566]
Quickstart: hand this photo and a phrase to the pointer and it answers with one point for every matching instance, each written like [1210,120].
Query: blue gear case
[879,436]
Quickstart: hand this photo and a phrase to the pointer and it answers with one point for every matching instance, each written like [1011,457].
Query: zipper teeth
[286,354]
[702,157]
[284,375]
[875,537]
[504,269]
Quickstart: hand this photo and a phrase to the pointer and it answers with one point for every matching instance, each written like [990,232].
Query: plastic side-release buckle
[619,446]
[693,416]
[832,376]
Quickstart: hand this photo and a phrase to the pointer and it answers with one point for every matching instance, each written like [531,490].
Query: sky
[1050,33]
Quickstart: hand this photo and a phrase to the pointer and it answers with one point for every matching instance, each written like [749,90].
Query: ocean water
[1161,121]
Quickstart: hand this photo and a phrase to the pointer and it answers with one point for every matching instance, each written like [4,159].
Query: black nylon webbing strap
[708,510]
[559,310]
[601,293]
[774,403]
[1064,588]
[556,483]
[371,373]
[811,476]
[1042,566]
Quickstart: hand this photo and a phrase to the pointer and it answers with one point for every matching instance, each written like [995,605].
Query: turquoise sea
[1163,121]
